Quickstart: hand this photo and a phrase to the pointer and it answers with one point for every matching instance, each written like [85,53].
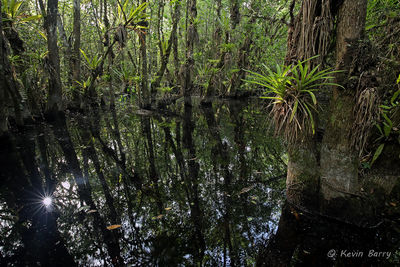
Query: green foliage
[165,89]
[227,47]
[14,13]
[85,84]
[91,63]
[378,11]
[131,15]
[292,89]
[386,128]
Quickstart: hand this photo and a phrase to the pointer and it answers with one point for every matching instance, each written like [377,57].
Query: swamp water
[194,186]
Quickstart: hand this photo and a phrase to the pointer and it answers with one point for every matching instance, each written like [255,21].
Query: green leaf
[385,107]
[388,121]
[395,95]
[314,99]
[85,56]
[311,118]
[379,128]
[377,153]
[15,8]
[43,35]
[387,129]
[296,103]
[36,17]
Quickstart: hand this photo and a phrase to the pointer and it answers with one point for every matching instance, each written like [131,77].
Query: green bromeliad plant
[13,12]
[293,90]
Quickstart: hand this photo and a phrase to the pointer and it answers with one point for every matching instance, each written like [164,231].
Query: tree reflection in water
[196,186]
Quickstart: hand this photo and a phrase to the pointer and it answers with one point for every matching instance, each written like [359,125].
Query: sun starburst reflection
[47,201]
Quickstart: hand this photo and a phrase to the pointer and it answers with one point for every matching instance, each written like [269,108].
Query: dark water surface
[194,186]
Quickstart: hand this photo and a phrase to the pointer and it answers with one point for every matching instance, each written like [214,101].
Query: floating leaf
[157,217]
[83,208]
[114,226]
[168,208]
[91,211]
[296,214]
[249,219]
[246,189]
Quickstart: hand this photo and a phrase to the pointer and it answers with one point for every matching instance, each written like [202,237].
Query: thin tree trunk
[175,51]
[235,13]
[3,93]
[191,38]
[54,101]
[76,54]
[145,93]
[165,56]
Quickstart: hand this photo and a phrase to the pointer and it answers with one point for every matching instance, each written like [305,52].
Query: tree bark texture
[54,101]
[339,160]
[191,39]
[9,90]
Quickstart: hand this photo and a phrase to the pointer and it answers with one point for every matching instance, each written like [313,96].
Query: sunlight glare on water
[47,201]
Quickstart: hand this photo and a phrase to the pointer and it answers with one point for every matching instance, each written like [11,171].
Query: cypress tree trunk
[339,160]
[333,163]
[302,183]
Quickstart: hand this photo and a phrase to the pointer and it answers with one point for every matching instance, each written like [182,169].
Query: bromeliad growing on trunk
[292,89]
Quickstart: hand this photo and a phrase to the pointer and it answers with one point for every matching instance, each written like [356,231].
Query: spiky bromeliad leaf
[296,104]
[377,153]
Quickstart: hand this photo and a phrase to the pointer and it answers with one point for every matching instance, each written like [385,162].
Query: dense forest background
[66,54]
[142,51]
